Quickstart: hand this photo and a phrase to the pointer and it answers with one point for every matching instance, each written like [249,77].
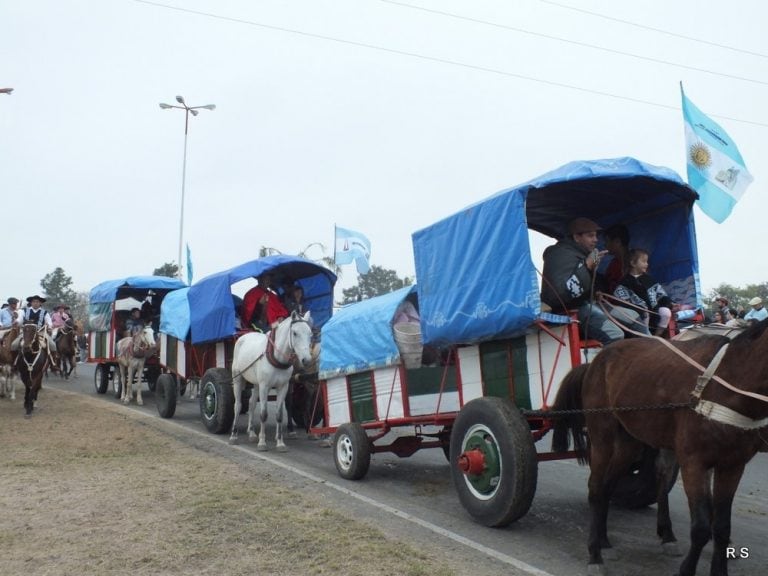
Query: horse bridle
[36,340]
[270,351]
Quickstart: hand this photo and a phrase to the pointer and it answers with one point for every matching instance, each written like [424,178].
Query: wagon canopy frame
[103,296]
[475,275]
[205,312]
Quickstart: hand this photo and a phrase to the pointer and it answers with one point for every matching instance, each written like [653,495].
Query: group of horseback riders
[51,324]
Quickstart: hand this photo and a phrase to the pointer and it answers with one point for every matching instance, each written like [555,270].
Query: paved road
[550,539]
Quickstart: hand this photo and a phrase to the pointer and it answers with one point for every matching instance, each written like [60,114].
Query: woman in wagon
[640,289]
[294,299]
[568,283]
[262,308]
[34,313]
[617,244]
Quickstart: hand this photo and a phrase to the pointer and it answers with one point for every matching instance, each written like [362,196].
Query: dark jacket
[566,279]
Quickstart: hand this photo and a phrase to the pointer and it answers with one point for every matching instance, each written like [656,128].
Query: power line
[659,30]
[433,59]
[574,42]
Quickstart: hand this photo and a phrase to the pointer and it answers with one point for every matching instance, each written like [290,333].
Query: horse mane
[751,333]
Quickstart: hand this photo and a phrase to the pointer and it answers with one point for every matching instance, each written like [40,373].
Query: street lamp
[187,111]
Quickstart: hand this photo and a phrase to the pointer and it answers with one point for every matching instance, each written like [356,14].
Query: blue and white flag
[352,246]
[189,265]
[715,167]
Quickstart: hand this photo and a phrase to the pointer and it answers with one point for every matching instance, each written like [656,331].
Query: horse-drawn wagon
[109,307]
[198,332]
[476,364]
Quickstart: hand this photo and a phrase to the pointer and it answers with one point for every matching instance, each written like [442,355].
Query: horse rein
[707,408]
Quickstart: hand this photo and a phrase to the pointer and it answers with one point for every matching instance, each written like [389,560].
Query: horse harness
[38,340]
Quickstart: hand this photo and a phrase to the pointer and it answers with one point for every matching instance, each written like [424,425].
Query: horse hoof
[292,434]
[140,402]
[671,549]
[232,441]
[324,443]
[596,570]
[609,554]
[261,448]
[282,448]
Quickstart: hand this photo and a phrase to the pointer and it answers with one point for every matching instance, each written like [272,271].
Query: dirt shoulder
[86,488]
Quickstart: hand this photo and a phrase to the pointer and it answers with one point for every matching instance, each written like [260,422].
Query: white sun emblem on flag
[700,155]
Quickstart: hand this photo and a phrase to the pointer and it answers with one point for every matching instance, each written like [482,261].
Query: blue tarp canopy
[103,296]
[174,314]
[133,286]
[476,279]
[211,306]
[359,336]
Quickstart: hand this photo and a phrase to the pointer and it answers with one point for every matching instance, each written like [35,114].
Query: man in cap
[758,312]
[568,283]
[36,314]
[9,315]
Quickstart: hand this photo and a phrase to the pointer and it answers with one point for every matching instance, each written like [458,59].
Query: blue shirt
[6,318]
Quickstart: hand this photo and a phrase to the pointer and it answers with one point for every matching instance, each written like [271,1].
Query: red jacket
[272,312]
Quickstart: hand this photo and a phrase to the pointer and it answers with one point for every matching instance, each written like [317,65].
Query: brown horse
[7,369]
[66,352]
[32,362]
[648,392]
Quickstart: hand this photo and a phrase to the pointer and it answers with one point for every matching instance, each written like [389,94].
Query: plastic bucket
[408,340]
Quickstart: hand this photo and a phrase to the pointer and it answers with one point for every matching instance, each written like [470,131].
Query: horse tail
[569,399]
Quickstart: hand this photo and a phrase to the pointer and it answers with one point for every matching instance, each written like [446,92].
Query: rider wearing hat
[758,312]
[34,313]
[59,319]
[10,315]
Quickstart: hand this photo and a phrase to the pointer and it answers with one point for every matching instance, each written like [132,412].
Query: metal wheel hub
[480,461]
[345,452]
[209,400]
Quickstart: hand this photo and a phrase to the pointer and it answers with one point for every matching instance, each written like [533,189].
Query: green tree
[170,269]
[376,282]
[57,288]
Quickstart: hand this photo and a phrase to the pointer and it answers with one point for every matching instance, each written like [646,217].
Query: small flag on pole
[352,246]
[190,271]
[716,169]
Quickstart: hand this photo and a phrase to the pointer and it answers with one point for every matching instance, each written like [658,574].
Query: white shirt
[755,314]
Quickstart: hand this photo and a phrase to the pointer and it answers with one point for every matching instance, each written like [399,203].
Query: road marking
[474,545]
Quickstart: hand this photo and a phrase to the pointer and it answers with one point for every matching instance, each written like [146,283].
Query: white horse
[132,351]
[266,361]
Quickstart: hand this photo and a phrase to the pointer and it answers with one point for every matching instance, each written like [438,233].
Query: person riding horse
[35,314]
[9,316]
[60,319]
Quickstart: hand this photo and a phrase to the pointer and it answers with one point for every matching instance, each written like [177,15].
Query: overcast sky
[377,116]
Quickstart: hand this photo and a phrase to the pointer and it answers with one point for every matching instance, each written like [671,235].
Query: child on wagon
[639,288]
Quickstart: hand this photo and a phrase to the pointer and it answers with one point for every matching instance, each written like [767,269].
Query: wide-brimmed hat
[721,299]
[756,301]
[582,225]
[35,297]
[13,300]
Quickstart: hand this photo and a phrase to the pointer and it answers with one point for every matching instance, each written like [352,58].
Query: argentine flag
[352,246]
[715,168]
